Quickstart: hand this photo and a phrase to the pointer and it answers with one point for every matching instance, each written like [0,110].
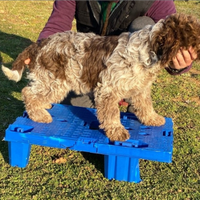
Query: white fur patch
[12,75]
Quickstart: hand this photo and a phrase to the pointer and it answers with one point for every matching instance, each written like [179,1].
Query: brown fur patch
[96,54]
[30,52]
[54,63]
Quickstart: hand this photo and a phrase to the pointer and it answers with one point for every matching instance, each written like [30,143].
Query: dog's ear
[175,32]
[165,40]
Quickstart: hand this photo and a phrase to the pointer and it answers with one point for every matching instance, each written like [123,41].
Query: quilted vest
[89,19]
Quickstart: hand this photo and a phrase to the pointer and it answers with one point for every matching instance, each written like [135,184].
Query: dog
[110,67]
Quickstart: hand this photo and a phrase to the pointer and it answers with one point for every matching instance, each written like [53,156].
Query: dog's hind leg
[142,107]
[36,106]
[109,115]
[37,98]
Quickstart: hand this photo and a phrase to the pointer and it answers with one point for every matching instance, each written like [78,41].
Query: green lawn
[80,175]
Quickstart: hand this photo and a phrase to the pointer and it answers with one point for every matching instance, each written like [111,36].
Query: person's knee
[140,23]
[79,100]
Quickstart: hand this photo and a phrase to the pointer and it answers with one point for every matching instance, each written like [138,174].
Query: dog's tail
[12,74]
[26,59]
[22,61]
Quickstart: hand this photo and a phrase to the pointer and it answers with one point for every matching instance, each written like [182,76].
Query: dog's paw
[158,120]
[48,106]
[117,134]
[41,116]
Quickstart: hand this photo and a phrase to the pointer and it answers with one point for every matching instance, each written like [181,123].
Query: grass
[65,174]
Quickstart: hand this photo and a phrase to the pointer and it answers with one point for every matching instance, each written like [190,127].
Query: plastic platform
[77,128]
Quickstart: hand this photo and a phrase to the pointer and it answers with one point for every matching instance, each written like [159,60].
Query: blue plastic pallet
[77,128]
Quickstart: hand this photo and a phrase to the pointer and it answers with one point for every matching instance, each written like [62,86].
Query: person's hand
[184,58]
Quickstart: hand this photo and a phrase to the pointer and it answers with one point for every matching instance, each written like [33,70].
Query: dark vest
[89,19]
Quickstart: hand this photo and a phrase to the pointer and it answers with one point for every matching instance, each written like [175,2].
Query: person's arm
[160,9]
[61,18]
[182,62]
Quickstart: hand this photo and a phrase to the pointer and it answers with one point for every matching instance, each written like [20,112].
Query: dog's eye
[160,52]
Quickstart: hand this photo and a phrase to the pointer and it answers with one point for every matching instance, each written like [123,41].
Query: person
[112,18]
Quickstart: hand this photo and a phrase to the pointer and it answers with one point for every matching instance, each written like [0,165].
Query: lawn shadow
[12,45]
[10,107]
[96,159]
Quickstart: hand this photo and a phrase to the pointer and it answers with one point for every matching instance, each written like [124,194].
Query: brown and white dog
[111,67]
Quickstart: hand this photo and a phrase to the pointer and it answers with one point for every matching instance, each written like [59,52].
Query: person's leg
[140,23]
[79,100]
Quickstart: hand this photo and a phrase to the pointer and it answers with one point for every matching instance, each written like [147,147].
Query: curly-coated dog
[111,67]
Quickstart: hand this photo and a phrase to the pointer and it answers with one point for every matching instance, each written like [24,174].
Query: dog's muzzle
[152,59]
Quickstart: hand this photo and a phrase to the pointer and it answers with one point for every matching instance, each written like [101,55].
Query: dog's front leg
[109,115]
[143,108]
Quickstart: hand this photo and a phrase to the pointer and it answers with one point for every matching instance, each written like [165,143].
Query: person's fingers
[193,53]
[175,63]
[186,58]
[178,61]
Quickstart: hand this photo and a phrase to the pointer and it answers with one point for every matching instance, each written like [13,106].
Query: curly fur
[111,67]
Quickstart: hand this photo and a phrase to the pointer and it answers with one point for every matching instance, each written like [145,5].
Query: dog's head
[175,32]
